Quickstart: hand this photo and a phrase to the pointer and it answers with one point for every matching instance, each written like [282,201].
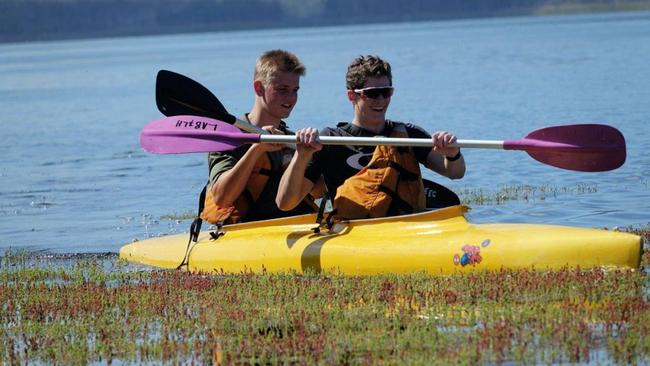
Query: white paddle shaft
[388,141]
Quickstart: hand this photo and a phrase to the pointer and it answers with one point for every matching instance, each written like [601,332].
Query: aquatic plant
[99,309]
[523,192]
[179,216]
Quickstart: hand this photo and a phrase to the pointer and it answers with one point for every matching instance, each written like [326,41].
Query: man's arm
[294,186]
[230,184]
[444,159]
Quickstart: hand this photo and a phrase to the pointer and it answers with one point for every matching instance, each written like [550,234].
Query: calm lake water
[73,178]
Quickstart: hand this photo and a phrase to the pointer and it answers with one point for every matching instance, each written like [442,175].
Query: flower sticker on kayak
[471,254]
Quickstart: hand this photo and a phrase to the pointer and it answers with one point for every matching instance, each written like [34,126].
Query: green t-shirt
[221,162]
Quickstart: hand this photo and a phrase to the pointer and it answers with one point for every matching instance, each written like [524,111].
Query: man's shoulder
[408,125]
[412,129]
[330,131]
[341,129]
[235,153]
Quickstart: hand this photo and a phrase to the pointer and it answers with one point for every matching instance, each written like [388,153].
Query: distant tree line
[54,19]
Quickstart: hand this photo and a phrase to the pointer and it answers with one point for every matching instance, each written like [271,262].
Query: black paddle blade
[439,196]
[177,94]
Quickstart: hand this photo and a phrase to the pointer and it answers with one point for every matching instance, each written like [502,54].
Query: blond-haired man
[243,182]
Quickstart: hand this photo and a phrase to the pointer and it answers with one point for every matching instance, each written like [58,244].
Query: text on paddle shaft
[198,125]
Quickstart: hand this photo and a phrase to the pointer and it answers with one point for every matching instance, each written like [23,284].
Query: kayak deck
[437,242]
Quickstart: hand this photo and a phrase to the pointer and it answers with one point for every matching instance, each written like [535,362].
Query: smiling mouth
[287,106]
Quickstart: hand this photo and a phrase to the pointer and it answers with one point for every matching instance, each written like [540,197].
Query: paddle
[585,147]
[582,147]
[177,94]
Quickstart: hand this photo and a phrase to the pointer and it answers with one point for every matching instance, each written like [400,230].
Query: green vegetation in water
[180,216]
[523,192]
[93,312]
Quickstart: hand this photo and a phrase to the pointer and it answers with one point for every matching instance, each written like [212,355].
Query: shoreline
[546,10]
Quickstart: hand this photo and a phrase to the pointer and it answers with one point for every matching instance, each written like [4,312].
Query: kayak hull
[436,242]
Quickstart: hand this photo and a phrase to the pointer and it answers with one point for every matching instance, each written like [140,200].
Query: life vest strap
[326,221]
[195,229]
[321,212]
[397,204]
[403,173]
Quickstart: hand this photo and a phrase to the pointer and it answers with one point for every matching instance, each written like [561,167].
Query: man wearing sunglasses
[368,181]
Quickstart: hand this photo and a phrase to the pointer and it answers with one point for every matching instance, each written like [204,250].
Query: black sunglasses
[373,92]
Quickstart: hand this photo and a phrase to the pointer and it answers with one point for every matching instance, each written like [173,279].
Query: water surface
[74,179]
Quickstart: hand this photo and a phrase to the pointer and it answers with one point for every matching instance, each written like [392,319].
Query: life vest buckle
[214,235]
[326,222]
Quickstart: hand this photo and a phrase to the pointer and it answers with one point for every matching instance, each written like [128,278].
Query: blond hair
[273,62]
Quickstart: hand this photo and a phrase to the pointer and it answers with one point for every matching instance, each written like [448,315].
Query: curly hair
[270,63]
[364,67]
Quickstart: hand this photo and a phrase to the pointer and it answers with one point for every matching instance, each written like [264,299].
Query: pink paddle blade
[187,134]
[582,147]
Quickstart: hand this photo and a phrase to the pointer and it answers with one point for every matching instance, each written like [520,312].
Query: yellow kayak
[438,242]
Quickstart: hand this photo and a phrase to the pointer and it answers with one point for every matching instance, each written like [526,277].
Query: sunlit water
[73,178]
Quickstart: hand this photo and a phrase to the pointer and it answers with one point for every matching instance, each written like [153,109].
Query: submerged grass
[179,216]
[521,192]
[89,311]
[102,310]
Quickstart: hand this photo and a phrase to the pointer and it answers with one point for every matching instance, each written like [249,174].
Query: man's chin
[378,116]
[285,114]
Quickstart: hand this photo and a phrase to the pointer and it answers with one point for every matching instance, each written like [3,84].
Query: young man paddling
[367,181]
[244,181]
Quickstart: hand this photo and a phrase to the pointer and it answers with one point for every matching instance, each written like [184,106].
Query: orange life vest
[256,184]
[262,174]
[391,184]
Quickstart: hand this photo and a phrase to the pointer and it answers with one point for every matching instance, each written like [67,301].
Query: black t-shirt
[337,162]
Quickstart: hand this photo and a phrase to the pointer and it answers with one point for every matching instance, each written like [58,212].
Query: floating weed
[523,192]
[180,216]
[89,312]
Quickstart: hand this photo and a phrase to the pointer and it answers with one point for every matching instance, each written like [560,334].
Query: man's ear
[258,86]
[352,96]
